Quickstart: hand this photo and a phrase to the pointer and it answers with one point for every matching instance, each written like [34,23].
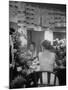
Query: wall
[34,15]
[60,35]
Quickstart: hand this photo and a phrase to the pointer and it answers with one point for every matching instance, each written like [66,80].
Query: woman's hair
[47,45]
[11,31]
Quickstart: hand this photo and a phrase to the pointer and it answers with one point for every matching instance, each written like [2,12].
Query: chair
[46,78]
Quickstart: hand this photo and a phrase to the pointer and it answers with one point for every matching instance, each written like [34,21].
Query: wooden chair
[42,79]
[46,78]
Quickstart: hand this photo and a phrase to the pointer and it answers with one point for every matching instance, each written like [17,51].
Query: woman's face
[31,47]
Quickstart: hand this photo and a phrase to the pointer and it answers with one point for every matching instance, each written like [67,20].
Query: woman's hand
[19,69]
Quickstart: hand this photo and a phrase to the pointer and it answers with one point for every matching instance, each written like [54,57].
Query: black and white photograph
[37,44]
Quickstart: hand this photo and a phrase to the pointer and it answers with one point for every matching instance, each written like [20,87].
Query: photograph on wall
[37,44]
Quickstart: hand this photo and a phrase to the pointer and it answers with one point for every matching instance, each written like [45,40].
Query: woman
[33,64]
[33,57]
[47,60]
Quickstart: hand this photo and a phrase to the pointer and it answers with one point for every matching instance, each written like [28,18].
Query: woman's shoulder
[53,55]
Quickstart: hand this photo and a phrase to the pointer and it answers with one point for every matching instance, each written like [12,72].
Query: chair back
[47,78]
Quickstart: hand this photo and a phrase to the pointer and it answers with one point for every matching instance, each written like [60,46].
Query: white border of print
[4,43]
